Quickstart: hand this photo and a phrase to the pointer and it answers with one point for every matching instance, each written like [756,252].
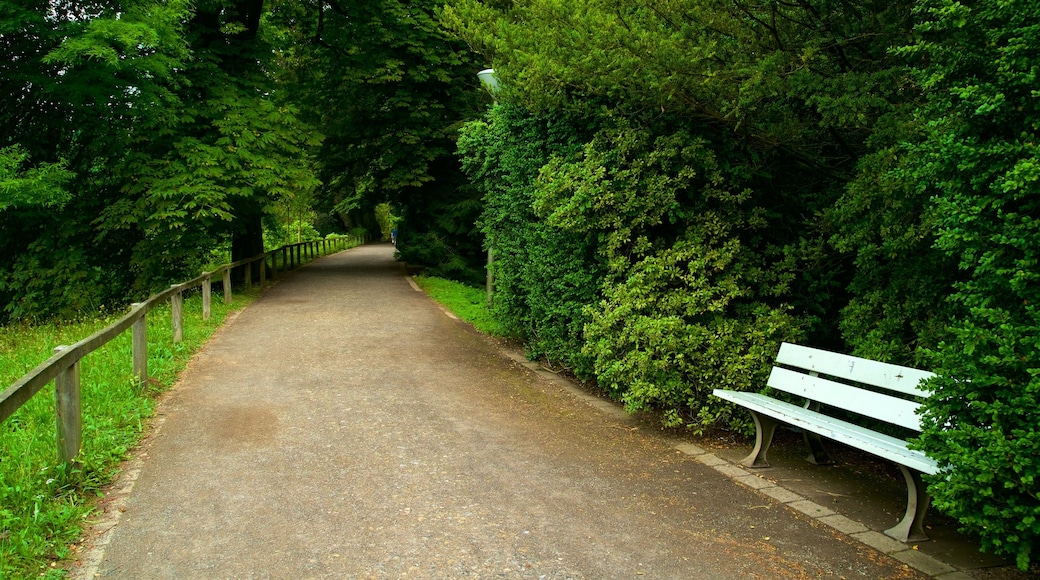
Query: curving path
[343,427]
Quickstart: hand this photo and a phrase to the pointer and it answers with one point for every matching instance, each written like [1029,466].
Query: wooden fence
[63,366]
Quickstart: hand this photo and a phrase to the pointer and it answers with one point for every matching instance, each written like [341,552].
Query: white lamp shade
[489,80]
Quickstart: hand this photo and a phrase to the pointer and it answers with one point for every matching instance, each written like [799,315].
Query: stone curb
[855,530]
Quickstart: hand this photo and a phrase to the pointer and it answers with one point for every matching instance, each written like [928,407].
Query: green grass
[43,505]
[466,302]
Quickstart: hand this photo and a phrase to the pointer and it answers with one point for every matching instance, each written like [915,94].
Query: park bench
[864,389]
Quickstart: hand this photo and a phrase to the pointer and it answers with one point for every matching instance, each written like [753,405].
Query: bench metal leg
[765,426]
[911,529]
[817,454]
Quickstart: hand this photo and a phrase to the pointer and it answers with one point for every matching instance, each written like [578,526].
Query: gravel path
[343,427]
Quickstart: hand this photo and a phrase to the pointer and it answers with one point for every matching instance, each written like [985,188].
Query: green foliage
[689,301]
[43,505]
[35,186]
[387,219]
[707,138]
[980,65]
[887,220]
[545,277]
[439,233]
[177,142]
[681,325]
[389,88]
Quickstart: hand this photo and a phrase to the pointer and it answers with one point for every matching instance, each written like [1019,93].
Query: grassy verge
[466,302]
[42,504]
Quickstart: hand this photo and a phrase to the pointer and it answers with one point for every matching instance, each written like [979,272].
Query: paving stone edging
[855,530]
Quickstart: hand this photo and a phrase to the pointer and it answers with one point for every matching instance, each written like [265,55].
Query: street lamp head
[489,80]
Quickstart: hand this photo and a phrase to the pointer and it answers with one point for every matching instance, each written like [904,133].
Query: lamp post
[490,81]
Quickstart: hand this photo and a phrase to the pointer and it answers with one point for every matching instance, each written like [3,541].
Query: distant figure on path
[393,236]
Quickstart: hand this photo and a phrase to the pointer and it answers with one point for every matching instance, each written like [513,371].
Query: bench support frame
[911,528]
[765,428]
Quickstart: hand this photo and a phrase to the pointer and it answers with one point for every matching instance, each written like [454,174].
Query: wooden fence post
[263,271]
[177,312]
[274,264]
[139,332]
[227,285]
[284,259]
[247,270]
[67,410]
[207,296]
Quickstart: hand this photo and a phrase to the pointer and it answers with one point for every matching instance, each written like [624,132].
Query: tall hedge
[710,142]
[858,176]
[692,299]
[981,65]
[544,277]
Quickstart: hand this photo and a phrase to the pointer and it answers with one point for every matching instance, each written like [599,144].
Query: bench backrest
[843,395]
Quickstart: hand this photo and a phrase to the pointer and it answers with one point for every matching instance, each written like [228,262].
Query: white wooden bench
[861,387]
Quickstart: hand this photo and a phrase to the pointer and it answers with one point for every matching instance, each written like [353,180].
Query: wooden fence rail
[63,366]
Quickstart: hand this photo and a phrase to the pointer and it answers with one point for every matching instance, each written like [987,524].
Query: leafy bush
[981,152]
[689,299]
[545,277]
[680,325]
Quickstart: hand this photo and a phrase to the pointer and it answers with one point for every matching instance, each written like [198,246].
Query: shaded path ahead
[343,427]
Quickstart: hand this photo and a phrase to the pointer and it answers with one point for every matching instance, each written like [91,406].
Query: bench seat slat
[877,405]
[850,434]
[861,370]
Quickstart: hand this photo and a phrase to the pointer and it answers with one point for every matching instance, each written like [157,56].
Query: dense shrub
[545,277]
[690,300]
[981,153]
[747,174]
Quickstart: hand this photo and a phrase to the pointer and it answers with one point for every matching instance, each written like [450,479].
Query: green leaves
[980,152]
[684,322]
[40,186]
[146,36]
[545,277]
[389,88]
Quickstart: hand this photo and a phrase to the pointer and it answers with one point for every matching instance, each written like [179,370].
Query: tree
[176,136]
[77,117]
[41,186]
[233,146]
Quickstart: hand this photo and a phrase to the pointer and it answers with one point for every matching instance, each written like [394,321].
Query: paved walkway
[343,427]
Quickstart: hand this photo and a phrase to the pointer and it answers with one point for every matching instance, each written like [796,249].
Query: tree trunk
[246,242]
